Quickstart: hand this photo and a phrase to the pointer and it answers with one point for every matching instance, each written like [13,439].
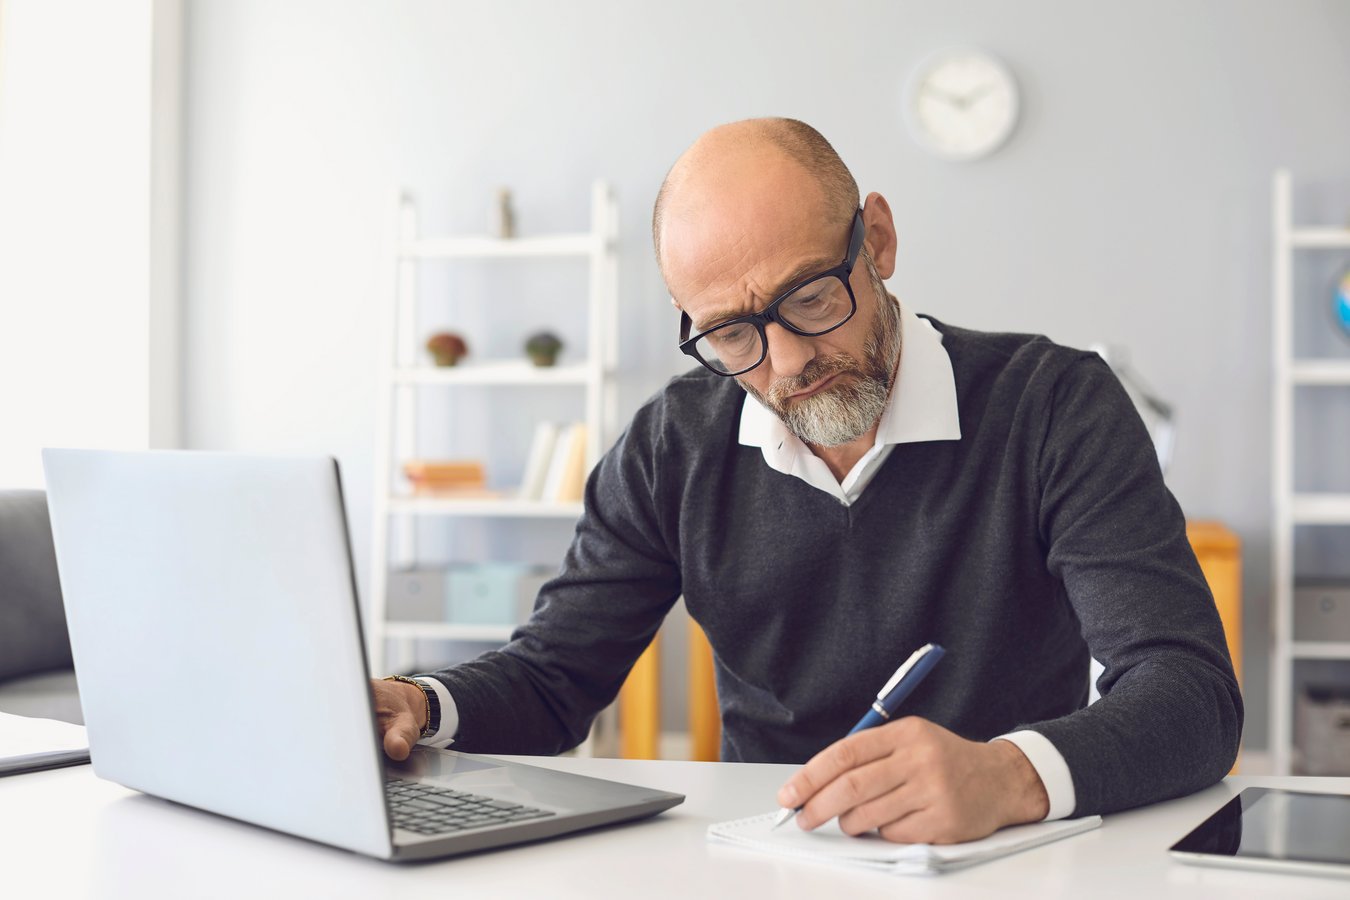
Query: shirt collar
[921,406]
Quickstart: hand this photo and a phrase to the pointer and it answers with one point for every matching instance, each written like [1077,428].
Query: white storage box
[1322,611]
[1322,730]
[415,595]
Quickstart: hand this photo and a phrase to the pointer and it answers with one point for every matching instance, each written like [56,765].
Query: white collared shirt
[922,407]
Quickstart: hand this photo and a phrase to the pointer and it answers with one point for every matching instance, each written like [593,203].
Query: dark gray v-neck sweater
[1043,534]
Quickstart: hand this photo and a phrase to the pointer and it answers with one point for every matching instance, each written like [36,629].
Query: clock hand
[949,99]
[968,100]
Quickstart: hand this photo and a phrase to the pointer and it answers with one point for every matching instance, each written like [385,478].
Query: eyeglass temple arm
[859,235]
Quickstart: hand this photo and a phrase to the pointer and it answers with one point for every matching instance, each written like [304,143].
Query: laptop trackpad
[425,762]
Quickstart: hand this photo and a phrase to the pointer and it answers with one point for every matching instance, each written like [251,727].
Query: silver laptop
[215,628]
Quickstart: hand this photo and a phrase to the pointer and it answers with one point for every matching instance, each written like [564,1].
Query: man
[881,481]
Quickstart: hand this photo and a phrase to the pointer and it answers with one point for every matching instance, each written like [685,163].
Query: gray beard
[847,410]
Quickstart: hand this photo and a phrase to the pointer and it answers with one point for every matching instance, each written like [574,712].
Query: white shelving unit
[402,375]
[1291,508]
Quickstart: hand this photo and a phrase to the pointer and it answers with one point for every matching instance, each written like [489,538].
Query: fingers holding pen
[857,798]
[849,772]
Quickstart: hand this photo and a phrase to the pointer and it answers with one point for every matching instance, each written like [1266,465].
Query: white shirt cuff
[1049,765]
[444,736]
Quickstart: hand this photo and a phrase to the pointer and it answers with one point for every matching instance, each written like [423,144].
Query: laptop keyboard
[428,809]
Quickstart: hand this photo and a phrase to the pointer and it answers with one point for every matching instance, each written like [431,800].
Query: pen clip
[904,670]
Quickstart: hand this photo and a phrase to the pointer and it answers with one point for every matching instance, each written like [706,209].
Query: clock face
[961,104]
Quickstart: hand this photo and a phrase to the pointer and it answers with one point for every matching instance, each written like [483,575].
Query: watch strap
[433,703]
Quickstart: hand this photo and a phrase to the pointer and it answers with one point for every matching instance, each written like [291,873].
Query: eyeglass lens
[813,308]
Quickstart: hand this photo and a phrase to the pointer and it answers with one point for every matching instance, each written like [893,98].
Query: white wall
[75,109]
[1131,207]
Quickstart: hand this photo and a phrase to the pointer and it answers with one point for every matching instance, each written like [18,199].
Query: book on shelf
[567,464]
[573,482]
[537,461]
[435,475]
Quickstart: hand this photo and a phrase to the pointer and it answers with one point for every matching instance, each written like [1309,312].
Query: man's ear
[881,240]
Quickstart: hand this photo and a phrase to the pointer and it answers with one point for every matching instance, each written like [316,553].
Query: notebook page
[828,844]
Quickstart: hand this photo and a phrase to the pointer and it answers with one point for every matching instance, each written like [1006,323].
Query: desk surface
[65,833]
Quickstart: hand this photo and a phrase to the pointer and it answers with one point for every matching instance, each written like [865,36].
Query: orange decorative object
[640,706]
[1219,551]
[705,717]
[1220,554]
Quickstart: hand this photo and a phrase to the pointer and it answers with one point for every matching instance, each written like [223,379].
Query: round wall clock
[961,104]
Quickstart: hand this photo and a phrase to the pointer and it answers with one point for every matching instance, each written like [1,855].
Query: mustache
[816,370]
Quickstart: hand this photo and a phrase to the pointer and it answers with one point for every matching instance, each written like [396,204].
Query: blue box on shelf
[483,594]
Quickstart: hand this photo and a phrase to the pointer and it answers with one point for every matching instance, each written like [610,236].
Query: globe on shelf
[1342,303]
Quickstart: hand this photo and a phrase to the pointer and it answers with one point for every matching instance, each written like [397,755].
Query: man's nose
[788,352]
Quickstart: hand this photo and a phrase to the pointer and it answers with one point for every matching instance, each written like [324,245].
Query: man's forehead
[739,223]
[745,276]
[726,237]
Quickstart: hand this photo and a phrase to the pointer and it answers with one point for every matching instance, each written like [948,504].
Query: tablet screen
[1263,823]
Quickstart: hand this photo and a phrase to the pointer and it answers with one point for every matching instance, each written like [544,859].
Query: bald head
[753,156]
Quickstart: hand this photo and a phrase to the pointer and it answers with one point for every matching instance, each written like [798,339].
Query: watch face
[961,104]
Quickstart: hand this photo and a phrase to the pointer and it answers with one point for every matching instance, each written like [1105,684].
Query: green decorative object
[543,348]
[447,348]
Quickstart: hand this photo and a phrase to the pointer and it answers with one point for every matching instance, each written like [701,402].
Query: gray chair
[37,675]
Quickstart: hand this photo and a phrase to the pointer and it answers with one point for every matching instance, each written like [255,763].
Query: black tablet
[1265,828]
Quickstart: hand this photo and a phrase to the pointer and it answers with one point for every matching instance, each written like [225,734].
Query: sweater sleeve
[1170,714]
[540,693]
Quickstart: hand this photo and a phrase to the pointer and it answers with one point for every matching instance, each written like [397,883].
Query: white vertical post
[166,225]
[597,331]
[1282,479]
[387,314]
[610,415]
[405,356]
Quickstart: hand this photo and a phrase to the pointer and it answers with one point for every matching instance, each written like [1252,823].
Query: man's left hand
[916,782]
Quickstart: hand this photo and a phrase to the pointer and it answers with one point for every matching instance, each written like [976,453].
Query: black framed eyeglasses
[814,306]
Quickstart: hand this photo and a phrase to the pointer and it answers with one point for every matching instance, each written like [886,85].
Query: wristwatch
[433,702]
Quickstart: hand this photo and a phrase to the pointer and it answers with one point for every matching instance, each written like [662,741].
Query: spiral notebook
[828,844]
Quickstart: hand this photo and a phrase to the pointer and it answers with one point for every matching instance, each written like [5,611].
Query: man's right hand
[401,712]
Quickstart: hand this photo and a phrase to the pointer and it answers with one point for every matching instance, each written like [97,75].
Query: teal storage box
[483,594]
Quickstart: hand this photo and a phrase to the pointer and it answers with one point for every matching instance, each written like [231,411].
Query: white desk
[65,833]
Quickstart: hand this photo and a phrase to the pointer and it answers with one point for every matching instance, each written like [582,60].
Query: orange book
[440,474]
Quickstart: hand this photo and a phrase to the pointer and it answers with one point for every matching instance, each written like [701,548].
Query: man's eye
[809,305]
[733,336]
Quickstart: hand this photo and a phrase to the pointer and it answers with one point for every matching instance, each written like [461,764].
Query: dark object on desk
[37,677]
[32,744]
[1281,831]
